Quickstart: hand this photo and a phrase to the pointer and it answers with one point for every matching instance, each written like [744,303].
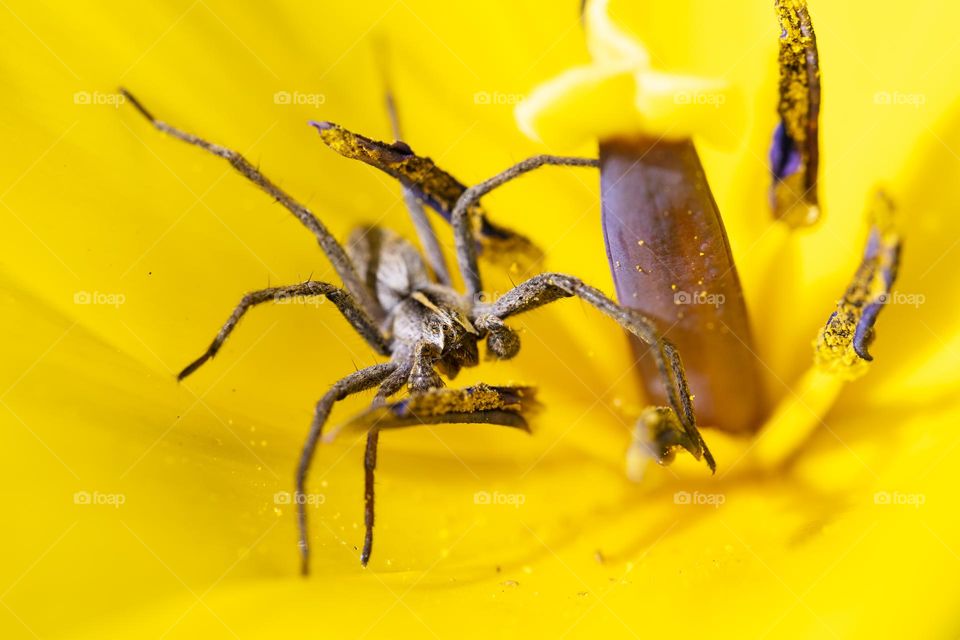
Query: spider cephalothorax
[411,314]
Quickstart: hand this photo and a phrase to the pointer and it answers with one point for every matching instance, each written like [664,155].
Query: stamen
[841,347]
[433,186]
[507,406]
[795,152]
[796,417]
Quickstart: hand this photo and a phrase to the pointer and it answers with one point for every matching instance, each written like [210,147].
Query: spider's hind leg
[329,245]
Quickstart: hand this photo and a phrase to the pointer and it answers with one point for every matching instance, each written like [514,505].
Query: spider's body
[412,315]
[428,323]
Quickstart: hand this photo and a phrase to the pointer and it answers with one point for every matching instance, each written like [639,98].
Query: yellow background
[93,200]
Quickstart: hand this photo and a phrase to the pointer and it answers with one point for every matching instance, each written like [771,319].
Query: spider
[423,326]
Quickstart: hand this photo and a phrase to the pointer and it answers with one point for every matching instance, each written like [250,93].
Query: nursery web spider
[423,325]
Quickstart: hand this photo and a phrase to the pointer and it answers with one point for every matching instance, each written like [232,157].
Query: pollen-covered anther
[434,188]
[795,151]
[508,405]
[842,346]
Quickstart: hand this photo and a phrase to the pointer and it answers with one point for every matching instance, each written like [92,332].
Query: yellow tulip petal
[94,203]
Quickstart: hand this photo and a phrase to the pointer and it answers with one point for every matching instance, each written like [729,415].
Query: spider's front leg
[483,404]
[369,466]
[351,310]
[660,430]
[336,254]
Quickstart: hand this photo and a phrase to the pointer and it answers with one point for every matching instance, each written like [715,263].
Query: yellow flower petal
[93,201]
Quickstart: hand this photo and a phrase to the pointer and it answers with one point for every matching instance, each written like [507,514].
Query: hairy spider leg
[359,319]
[354,383]
[466,247]
[549,287]
[333,250]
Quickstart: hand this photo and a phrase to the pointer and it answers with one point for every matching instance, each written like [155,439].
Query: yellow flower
[140,508]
